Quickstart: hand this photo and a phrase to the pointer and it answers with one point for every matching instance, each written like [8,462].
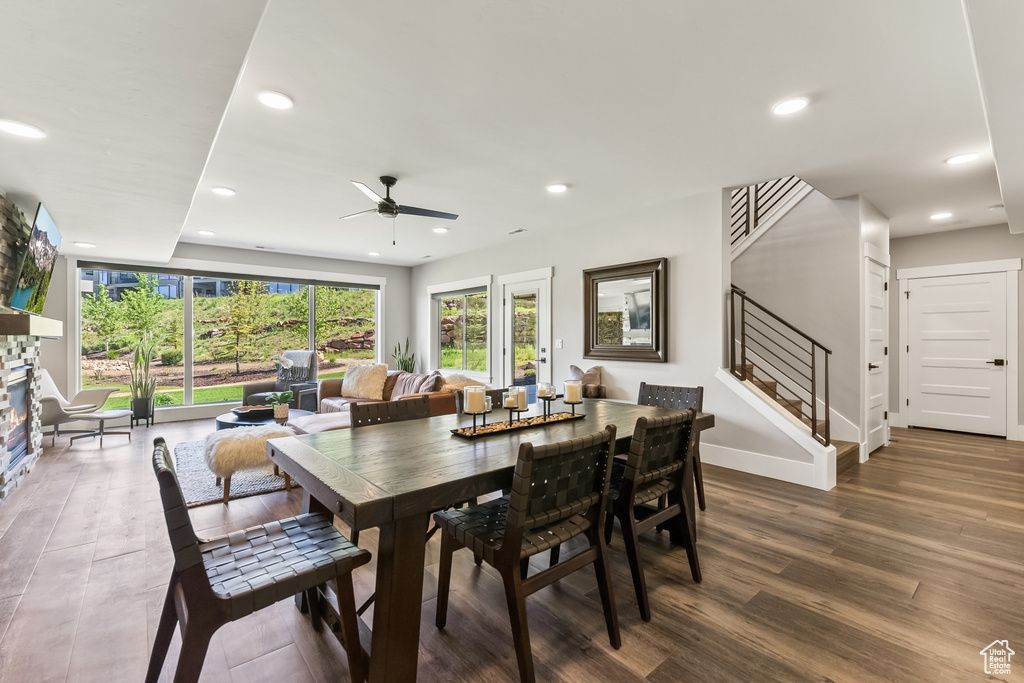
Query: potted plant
[142,385]
[403,359]
[280,401]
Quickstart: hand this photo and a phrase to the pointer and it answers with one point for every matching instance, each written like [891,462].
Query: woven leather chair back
[184,542]
[664,396]
[364,414]
[659,448]
[556,481]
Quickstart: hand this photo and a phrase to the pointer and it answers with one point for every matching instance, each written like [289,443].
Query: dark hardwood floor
[904,571]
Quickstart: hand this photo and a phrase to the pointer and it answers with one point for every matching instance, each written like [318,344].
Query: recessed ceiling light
[941,215]
[962,159]
[557,188]
[440,230]
[207,233]
[275,100]
[996,207]
[374,253]
[85,245]
[223,191]
[791,106]
[21,129]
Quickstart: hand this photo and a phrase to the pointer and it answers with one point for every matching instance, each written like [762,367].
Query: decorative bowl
[254,412]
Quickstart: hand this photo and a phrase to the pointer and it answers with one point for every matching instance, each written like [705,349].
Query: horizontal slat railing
[750,206]
[765,348]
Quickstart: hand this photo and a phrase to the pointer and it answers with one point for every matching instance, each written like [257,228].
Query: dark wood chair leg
[520,631]
[227,489]
[604,585]
[164,634]
[682,530]
[287,482]
[698,476]
[194,643]
[479,560]
[444,579]
[350,628]
[524,568]
[354,536]
[632,542]
[313,601]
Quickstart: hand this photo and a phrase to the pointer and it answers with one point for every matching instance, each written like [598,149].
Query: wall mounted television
[37,267]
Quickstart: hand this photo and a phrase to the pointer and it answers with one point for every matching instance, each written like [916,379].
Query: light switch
[558,343]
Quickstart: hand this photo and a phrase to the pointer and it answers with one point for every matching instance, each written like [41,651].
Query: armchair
[56,410]
[300,375]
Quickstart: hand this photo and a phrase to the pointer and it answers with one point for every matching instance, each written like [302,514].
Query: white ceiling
[475,107]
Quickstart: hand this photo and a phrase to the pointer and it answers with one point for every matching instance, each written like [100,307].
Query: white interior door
[877,394]
[527,336]
[957,355]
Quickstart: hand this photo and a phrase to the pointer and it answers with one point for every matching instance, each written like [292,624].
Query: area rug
[198,484]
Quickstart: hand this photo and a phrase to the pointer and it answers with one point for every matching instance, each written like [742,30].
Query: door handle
[997,361]
[543,360]
[872,366]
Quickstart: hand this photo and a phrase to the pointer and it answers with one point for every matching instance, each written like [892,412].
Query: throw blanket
[302,361]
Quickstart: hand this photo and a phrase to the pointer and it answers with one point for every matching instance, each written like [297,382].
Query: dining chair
[654,469]
[365,414]
[224,579]
[559,492]
[679,398]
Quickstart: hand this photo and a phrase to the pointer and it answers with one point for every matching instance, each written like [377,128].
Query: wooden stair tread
[847,455]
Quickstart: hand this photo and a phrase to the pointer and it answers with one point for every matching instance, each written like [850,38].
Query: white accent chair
[56,410]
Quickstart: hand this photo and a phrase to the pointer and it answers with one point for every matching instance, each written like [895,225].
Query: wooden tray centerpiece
[512,425]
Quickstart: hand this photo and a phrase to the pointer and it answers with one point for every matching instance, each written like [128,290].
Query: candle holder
[546,393]
[510,401]
[573,393]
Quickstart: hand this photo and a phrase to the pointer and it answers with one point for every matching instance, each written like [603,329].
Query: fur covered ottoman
[230,450]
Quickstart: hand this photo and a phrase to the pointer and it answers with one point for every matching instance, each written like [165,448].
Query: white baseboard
[760,464]
[897,420]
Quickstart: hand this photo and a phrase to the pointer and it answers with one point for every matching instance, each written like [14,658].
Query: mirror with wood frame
[624,311]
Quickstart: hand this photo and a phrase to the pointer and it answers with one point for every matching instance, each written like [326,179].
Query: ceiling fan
[389,208]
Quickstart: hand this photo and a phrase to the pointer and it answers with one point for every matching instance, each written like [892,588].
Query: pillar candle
[521,391]
[573,391]
[474,399]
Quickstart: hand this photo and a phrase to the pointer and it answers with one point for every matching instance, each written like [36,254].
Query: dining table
[393,476]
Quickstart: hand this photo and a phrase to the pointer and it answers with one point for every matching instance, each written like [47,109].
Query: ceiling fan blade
[368,192]
[429,213]
[353,215]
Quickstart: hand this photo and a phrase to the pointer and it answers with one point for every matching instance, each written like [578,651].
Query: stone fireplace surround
[17,352]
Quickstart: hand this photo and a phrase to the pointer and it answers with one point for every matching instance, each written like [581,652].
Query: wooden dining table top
[372,475]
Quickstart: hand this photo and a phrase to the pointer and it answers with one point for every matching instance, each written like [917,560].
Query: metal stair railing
[751,205]
[765,348]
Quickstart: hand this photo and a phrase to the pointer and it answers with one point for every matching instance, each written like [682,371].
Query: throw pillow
[365,381]
[591,376]
[456,382]
[409,383]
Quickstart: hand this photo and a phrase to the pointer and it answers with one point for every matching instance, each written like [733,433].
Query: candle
[544,390]
[522,398]
[573,391]
[474,397]
[487,403]
[509,399]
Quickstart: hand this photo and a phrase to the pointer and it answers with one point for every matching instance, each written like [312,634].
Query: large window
[238,326]
[120,309]
[463,331]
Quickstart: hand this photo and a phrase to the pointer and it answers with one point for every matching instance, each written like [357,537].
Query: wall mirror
[624,311]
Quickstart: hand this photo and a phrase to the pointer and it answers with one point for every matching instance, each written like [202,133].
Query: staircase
[787,367]
[755,208]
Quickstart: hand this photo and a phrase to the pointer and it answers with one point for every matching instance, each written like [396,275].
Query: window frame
[437,292]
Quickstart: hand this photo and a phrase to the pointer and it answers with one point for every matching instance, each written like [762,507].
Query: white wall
[990,243]
[807,270]
[689,233]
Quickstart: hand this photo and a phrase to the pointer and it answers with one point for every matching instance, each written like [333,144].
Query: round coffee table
[230,420]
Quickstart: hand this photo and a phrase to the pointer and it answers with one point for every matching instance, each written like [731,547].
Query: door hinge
[908,401]
[885,415]
[886,352]
[908,293]
[908,348]
[504,352]
[885,286]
